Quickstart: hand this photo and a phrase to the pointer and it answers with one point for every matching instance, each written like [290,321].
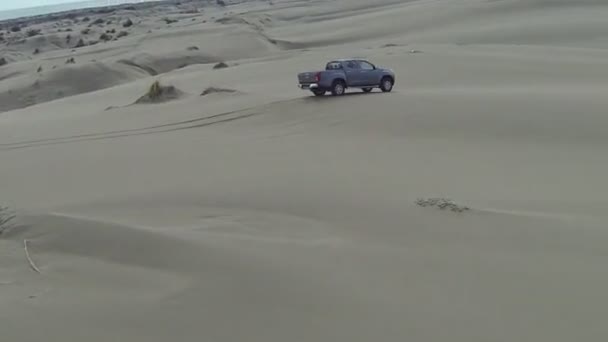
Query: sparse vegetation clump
[213,90]
[70,60]
[122,34]
[80,43]
[15,29]
[32,32]
[220,65]
[192,48]
[85,31]
[98,22]
[105,37]
[442,203]
[36,51]
[7,219]
[39,69]
[127,23]
[85,19]
[3,61]
[68,38]
[220,2]
[170,21]
[158,93]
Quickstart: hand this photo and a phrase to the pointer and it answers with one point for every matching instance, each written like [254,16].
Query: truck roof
[348,59]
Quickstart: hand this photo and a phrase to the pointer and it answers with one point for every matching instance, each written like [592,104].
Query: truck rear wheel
[338,88]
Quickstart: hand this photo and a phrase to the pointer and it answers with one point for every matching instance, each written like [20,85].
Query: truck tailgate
[307,77]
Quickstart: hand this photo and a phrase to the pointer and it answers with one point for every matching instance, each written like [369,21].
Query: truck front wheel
[338,88]
[386,85]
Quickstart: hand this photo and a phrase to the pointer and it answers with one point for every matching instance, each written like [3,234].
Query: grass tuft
[7,219]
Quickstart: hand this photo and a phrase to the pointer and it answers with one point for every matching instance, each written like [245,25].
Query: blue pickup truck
[342,74]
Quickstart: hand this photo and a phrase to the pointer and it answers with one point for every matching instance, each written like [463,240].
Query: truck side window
[352,65]
[333,66]
[366,66]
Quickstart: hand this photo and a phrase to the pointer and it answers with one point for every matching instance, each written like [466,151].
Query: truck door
[369,75]
[352,69]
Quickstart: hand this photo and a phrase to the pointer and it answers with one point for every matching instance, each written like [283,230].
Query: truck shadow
[329,97]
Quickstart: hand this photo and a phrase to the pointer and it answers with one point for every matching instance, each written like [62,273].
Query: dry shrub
[442,203]
[32,32]
[7,219]
[213,90]
[220,65]
[80,43]
[158,93]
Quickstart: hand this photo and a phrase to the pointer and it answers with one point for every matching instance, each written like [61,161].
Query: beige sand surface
[267,214]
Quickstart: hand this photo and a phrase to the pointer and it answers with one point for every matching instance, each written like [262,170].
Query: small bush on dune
[85,31]
[85,19]
[220,65]
[80,43]
[192,48]
[214,90]
[155,90]
[105,37]
[39,69]
[127,23]
[122,34]
[15,29]
[7,219]
[158,93]
[32,32]
[98,22]
[170,21]
[70,60]
[37,51]
[3,61]
[442,203]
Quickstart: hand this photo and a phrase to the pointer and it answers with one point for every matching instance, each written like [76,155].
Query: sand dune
[259,212]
